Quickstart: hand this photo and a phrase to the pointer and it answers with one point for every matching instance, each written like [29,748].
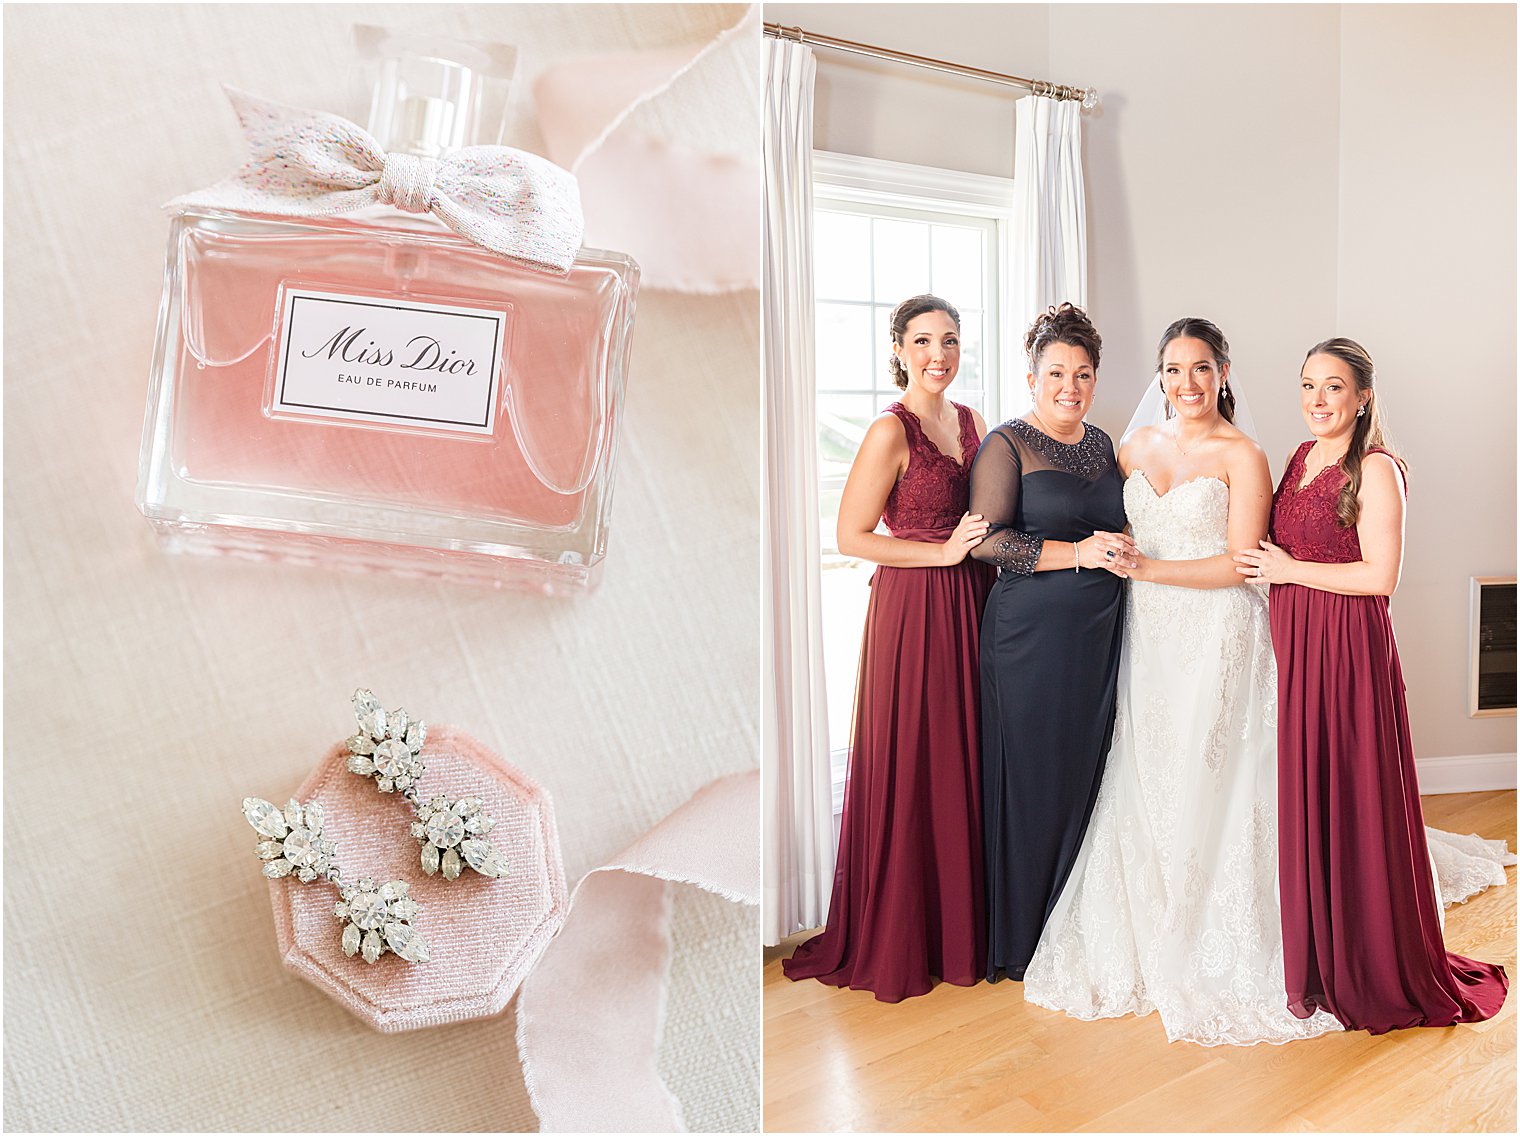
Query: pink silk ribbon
[307,163]
[589,1016]
[691,219]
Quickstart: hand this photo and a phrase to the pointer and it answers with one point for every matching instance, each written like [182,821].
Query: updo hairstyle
[1207,333]
[1067,324]
[904,314]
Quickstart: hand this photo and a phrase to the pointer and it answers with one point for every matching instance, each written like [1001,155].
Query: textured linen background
[146,695]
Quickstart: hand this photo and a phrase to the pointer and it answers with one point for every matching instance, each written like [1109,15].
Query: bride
[1171,904]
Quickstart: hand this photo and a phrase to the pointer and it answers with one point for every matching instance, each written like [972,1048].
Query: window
[882,232]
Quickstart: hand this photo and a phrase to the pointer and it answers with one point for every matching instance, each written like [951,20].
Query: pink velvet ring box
[485,934]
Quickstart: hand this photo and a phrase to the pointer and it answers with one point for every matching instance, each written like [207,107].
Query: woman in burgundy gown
[1360,917]
[907,905]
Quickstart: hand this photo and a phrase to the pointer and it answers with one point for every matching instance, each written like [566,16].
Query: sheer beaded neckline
[1089,458]
[1086,433]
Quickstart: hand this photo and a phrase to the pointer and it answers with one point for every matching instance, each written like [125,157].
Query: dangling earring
[376,919]
[1361,410]
[388,747]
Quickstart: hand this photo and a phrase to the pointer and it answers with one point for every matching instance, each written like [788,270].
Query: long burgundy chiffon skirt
[1360,917]
[907,905]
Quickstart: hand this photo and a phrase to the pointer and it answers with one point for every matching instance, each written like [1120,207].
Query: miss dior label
[382,360]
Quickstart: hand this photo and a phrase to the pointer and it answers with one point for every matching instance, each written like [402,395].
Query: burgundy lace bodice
[929,500]
[1304,523]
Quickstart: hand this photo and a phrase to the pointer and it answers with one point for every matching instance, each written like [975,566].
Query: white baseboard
[1466,773]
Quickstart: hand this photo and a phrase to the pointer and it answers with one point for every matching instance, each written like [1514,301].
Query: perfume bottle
[369,388]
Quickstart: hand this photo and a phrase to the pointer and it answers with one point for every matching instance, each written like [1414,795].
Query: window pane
[975,399]
[842,422]
[842,338]
[846,591]
[841,256]
[828,512]
[970,375]
[901,253]
[881,378]
[957,272]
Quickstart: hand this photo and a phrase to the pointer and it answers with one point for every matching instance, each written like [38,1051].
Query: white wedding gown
[1171,904]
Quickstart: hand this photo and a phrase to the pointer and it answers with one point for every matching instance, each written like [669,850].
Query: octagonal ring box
[484,935]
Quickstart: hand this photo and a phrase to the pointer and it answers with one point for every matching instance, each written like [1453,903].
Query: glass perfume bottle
[372,390]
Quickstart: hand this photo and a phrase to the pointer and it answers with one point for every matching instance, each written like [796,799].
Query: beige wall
[1281,170]
[1211,188]
[1427,282]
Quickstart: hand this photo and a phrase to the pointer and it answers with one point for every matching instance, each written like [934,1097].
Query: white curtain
[1049,231]
[798,827]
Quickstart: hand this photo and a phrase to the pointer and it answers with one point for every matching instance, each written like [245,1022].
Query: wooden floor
[979,1059]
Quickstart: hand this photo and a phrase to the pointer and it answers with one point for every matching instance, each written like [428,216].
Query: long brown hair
[1368,433]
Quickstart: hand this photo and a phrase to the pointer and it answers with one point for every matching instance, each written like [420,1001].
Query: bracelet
[1077,567]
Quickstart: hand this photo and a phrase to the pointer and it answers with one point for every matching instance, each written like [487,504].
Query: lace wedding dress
[1466,865]
[1171,904]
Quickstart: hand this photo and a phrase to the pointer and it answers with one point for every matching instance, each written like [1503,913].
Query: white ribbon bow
[312,164]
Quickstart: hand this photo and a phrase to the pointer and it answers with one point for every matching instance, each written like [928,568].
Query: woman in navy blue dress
[1049,487]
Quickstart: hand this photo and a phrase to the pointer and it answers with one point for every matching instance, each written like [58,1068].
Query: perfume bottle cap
[424,105]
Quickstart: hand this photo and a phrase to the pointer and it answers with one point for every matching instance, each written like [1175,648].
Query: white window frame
[851,179]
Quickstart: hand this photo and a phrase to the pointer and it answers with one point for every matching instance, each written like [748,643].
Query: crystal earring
[388,747]
[1361,410]
[376,919]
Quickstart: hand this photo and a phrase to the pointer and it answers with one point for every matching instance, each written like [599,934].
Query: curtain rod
[1086,95]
